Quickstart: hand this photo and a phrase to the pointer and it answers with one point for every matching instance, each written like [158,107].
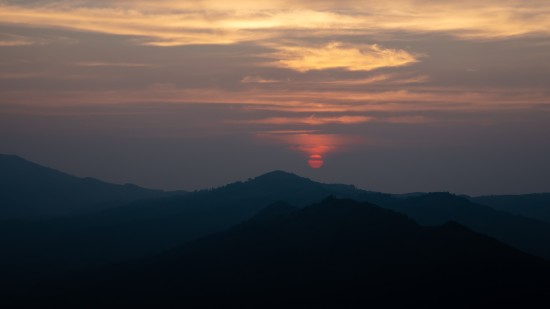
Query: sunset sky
[395,96]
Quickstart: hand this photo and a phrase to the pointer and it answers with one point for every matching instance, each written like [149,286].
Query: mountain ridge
[31,190]
[335,252]
[57,246]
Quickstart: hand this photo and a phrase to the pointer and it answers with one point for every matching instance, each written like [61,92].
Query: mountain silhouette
[535,206]
[50,248]
[43,250]
[338,253]
[521,232]
[274,210]
[30,190]
[53,247]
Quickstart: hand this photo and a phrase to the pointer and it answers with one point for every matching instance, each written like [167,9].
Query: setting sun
[315,161]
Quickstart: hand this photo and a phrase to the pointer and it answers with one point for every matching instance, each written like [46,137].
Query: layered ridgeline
[153,225]
[338,253]
[527,234]
[530,205]
[29,190]
[51,248]
[34,251]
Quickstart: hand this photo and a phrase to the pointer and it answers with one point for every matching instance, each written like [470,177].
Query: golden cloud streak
[337,55]
[162,29]
[424,99]
[16,43]
[311,121]
[258,80]
[112,64]
[324,120]
[166,23]
[7,39]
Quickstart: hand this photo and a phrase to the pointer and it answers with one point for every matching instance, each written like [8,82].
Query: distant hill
[530,205]
[335,254]
[29,190]
[154,225]
[44,249]
[51,248]
[151,226]
[527,234]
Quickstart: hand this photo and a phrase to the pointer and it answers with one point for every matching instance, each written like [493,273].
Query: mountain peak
[279,176]
[7,159]
[9,156]
[31,190]
[279,173]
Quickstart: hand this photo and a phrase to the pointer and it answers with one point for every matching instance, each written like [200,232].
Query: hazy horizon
[246,178]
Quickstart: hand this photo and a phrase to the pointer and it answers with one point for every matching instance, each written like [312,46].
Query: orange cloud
[258,80]
[312,120]
[406,119]
[386,79]
[170,22]
[304,101]
[337,55]
[7,39]
[112,64]
[325,120]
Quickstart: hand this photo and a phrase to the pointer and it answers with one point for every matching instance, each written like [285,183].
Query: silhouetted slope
[52,247]
[335,254]
[275,210]
[283,186]
[30,190]
[535,206]
[527,234]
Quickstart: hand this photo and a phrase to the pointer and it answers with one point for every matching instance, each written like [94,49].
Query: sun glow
[314,146]
[316,161]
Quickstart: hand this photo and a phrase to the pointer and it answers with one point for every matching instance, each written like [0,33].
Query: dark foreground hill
[29,190]
[334,254]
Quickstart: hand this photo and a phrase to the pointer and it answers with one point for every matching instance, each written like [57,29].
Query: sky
[394,96]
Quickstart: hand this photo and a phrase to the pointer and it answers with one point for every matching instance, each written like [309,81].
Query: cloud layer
[219,22]
[336,55]
[324,66]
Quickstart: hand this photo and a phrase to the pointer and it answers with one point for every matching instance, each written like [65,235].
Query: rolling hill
[536,206]
[338,253]
[32,191]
